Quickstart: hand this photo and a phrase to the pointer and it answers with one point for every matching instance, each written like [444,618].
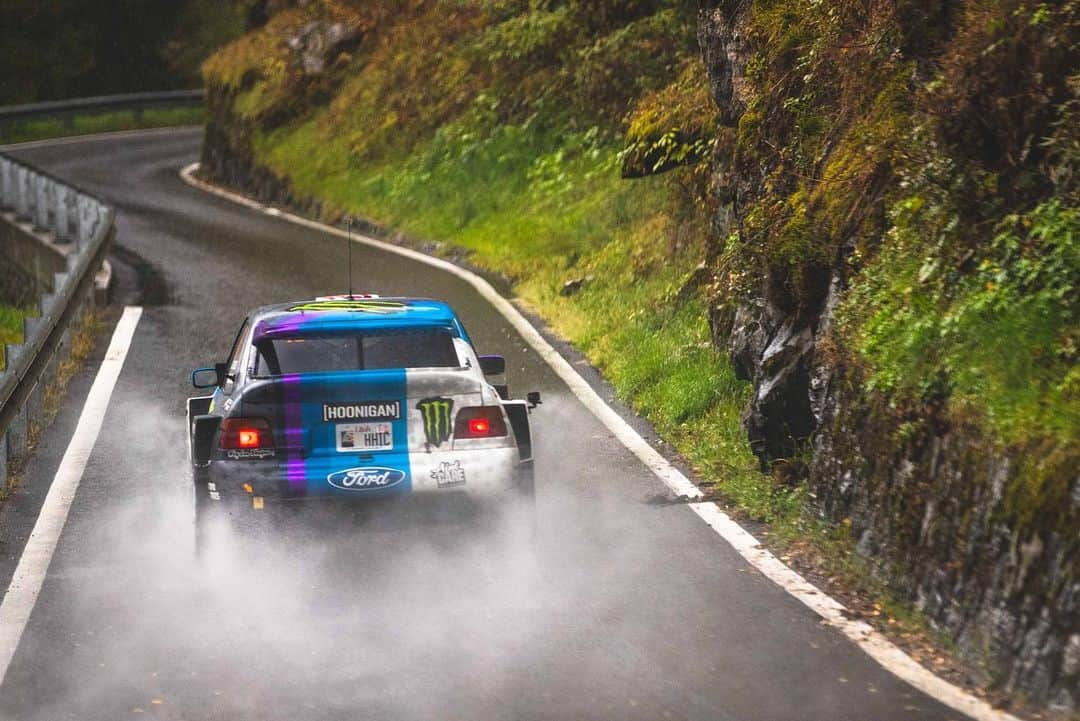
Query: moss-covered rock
[897,271]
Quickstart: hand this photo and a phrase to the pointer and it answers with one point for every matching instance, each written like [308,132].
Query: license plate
[353,437]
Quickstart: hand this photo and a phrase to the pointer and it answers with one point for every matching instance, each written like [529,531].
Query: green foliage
[937,170]
[527,42]
[424,66]
[100,123]
[827,106]
[1002,82]
[202,27]
[74,48]
[1014,327]
[673,126]
[553,194]
[11,326]
[1002,337]
[38,62]
[627,63]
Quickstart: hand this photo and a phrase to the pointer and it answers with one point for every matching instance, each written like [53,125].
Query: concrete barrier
[53,241]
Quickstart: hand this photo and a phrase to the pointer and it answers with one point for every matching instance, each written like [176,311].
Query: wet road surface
[622,610]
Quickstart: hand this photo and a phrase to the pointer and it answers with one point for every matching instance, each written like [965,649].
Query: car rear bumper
[486,472]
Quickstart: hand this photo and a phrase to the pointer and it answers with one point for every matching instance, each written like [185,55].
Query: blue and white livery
[355,397]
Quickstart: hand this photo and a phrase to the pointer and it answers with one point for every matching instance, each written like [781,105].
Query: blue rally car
[350,397]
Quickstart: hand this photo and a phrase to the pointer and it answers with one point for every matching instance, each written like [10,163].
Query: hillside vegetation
[828,248]
[501,128]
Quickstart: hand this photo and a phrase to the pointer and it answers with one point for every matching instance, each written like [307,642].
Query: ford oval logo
[366,479]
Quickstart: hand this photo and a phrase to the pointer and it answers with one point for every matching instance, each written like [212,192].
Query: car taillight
[245,433]
[479,422]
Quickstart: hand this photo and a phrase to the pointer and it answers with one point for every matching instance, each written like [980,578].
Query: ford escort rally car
[350,397]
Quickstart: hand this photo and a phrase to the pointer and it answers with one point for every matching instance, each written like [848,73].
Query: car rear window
[405,348]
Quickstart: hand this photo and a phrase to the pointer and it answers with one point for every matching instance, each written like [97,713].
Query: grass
[85,124]
[11,327]
[500,130]
[84,334]
[1002,337]
[546,209]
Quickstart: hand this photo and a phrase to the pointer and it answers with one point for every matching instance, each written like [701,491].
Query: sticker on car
[366,479]
[437,414]
[352,437]
[238,454]
[363,411]
[448,474]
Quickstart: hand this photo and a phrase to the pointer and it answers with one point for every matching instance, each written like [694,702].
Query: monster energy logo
[381,307]
[437,416]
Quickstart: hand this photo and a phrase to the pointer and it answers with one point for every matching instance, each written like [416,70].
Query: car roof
[368,312]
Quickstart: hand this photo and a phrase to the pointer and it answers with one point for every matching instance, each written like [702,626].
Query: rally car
[354,397]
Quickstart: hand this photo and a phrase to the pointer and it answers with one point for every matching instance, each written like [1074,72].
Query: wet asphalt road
[625,610]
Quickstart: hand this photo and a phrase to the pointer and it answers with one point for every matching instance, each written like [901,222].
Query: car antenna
[348,236]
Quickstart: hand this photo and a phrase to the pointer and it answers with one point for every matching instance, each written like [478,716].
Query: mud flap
[518,413]
[203,430]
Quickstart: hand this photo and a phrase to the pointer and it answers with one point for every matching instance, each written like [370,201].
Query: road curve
[630,610]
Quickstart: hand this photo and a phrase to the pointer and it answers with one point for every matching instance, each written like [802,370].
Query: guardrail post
[42,202]
[30,185]
[22,210]
[60,200]
[63,347]
[17,436]
[52,371]
[5,183]
[77,232]
[35,405]
[85,231]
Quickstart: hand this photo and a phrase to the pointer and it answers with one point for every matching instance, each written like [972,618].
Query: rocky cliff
[833,116]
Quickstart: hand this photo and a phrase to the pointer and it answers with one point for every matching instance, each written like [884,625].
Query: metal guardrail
[70,216]
[101,103]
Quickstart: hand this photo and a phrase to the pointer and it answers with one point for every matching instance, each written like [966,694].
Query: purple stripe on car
[296,470]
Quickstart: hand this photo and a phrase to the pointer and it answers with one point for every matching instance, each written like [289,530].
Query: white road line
[873,643]
[37,554]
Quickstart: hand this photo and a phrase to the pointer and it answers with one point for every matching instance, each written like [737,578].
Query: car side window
[236,353]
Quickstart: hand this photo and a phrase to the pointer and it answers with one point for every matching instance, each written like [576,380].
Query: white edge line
[872,642]
[37,554]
